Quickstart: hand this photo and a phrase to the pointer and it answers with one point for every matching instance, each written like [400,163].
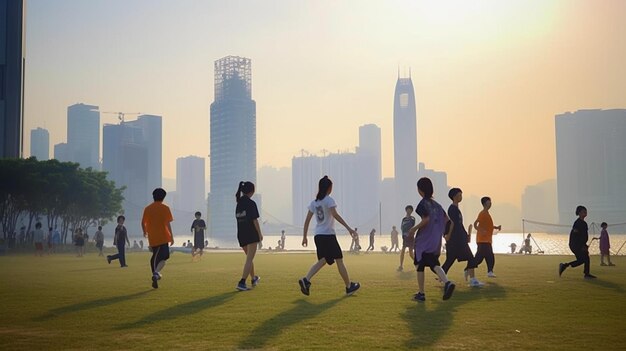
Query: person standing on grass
[372,236]
[408,221]
[156,226]
[605,245]
[120,240]
[484,237]
[197,228]
[328,250]
[394,239]
[248,231]
[99,239]
[429,231]
[457,248]
[578,237]
[38,239]
[79,241]
[282,240]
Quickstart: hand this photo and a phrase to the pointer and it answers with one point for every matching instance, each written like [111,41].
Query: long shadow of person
[185,309]
[272,327]
[606,284]
[82,306]
[429,325]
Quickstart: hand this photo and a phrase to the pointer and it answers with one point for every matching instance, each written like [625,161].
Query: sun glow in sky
[489,76]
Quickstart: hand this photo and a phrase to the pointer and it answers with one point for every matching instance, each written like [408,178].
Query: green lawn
[65,302]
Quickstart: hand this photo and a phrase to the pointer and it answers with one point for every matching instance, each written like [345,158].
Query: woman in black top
[248,231]
[578,244]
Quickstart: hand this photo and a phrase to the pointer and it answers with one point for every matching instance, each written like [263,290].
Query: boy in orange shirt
[484,234]
[156,227]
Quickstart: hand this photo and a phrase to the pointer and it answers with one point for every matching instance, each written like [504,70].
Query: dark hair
[324,184]
[120,217]
[579,209]
[452,193]
[159,194]
[49,228]
[198,213]
[38,225]
[604,225]
[99,227]
[245,188]
[407,207]
[426,186]
[484,200]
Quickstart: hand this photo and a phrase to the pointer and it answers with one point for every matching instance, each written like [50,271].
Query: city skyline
[489,78]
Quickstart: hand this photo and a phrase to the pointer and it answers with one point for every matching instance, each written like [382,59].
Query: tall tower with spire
[405,142]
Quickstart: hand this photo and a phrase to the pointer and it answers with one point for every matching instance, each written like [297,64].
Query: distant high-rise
[591,166]
[405,142]
[369,175]
[83,135]
[61,152]
[190,185]
[12,62]
[233,141]
[127,151]
[40,144]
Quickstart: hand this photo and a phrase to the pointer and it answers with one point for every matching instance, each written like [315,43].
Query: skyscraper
[12,62]
[591,166]
[190,185]
[369,175]
[40,144]
[83,135]
[233,141]
[405,142]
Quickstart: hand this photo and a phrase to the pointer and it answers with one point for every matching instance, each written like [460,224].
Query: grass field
[65,302]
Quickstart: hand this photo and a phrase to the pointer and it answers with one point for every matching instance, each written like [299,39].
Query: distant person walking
[372,237]
[355,245]
[484,237]
[429,231]
[79,241]
[408,221]
[282,240]
[457,247]
[120,240]
[99,239]
[394,239]
[248,231]
[328,250]
[198,226]
[156,226]
[38,239]
[578,237]
[605,245]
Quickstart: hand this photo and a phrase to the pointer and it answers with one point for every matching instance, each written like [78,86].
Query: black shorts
[407,241]
[461,252]
[429,260]
[247,238]
[160,253]
[328,248]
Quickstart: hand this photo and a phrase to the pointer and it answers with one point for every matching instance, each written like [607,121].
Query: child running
[248,231]
[484,236]
[408,222]
[197,228]
[578,244]
[328,249]
[120,240]
[605,246]
[428,239]
[457,247]
[156,226]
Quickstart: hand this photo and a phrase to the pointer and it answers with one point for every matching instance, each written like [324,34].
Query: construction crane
[121,115]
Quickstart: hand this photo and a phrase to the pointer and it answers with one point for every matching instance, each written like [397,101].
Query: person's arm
[449,233]
[477,223]
[143,227]
[169,227]
[307,221]
[127,241]
[419,226]
[115,237]
[258,228]
[333,211]
[193,225]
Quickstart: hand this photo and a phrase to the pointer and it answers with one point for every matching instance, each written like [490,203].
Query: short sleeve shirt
[121,234]
[407,223]
[38,236]
[459,234]
[579,235]
[246,212]
[484,233]
[200,223]
[156,217]
[321,209]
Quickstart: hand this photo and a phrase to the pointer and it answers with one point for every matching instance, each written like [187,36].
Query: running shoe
[255,280]
[475,283]
[352,288]
[491,274]
[448,290]
[590,276]
[305,286]
[419,297]
[241,286]
[562,267]
[155,278]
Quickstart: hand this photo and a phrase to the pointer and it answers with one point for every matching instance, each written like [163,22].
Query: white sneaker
[491,274]
[465,274]
[475,283]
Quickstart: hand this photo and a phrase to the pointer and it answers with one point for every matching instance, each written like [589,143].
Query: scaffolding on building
[230,73]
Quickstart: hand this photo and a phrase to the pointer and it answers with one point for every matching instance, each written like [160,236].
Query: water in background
[550,244]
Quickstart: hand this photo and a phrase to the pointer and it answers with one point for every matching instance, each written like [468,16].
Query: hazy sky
[489,76]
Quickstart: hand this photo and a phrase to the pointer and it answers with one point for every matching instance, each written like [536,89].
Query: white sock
[441,274]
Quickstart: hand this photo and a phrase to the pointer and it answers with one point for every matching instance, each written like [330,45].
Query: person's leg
[402,256]
[586,262]
[490,257]
[343,272]
[248,267]
[480,254]
[450,258]
[122,253]
[420,280]
[440,273]
[315,268]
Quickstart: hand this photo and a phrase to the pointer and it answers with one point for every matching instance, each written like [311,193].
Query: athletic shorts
[459,252]
[407,241]
[247,238]
[161,252]
[198,241]
[429,260]
[328,248]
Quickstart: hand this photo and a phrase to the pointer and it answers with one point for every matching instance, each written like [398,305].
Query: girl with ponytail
[328,249]
[248,231]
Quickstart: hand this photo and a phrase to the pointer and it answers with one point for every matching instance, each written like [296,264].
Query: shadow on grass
[82,306]
[606,284]
[429,325]
[406,275]
[271,328]
[176,311]
[94,269]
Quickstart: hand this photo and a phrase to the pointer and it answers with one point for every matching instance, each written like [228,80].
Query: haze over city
[489,76]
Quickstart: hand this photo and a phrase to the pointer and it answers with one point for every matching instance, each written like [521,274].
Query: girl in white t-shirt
[328,250]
